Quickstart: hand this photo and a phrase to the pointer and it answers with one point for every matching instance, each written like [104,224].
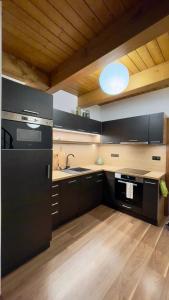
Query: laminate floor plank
[102,255]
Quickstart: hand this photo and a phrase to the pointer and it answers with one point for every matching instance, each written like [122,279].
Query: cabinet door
[92,126]
[62,119]
[87,193]
[26,218]
[150,198]
[69,199]
[134,129]
[98,189]
[111,132]
[21,99]
[109,189]
[156,128]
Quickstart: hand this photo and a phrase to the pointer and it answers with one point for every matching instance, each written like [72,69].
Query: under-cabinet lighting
[77,132]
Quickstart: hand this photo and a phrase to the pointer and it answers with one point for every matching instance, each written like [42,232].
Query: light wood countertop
[60,175]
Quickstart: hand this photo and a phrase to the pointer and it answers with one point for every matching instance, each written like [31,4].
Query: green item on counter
[163,188]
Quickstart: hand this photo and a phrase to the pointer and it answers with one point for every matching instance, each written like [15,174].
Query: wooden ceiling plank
[32,10]
[115,6]
[157,76]
[163,42]
[10,21]
[66,10]
[20,70]
[146,57]
[134,56]
[87,15]
[109,45]
[17,31]
[20,49]
[60,21]
[132,67]
[51,40]
[100,10]
[155,52]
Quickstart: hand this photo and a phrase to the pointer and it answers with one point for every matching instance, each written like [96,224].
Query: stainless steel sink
[75,170]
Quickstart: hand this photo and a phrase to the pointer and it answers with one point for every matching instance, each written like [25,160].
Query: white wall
[153,102]
[68,102]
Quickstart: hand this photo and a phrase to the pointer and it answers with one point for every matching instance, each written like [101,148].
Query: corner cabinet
[68,121]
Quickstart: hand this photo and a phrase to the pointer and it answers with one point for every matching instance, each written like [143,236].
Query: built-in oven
[25,132]
[129,192]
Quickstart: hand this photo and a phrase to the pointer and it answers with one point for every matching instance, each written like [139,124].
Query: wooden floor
[102,255]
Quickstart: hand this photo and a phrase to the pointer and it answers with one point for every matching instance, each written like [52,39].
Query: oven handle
[120,181]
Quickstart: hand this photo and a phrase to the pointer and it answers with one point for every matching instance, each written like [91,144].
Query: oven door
[25,135]
[120,194]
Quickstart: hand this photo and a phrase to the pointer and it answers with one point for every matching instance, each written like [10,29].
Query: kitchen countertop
[60,175]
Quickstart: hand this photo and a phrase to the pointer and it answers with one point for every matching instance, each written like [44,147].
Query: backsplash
[84,154]
[134,156]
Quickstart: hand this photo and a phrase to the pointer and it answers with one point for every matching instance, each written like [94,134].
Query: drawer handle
[99,180]
[95,132]
[149,182]
[58,126]
[100,174]
[54,186]
[31,111]
[89,177]
[126,206]
[55,212]
[56,203]
[55,195]
[72,181]
[153,142]
[81,130]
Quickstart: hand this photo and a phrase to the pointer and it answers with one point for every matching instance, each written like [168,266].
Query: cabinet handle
[99,180]
[72,181]
[126,206]
[100,174]
[95,132]
[81,130]
[89,177]
[155,142]
[149,182]
[133,140]
[55,212]
[58,126]
[54,186]
[55,195]
[31,111]
[56,203]
[48,171]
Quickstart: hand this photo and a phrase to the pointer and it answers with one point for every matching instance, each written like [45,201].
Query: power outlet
[114,155]
[156,157]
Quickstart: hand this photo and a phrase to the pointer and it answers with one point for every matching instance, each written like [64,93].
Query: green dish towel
[163,187]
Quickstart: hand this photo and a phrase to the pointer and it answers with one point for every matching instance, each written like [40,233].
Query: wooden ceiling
[55,45]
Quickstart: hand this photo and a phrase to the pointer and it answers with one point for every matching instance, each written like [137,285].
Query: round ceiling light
[114,79]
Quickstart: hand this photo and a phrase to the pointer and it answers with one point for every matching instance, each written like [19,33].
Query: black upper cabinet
[156,129]
[70,121]
[111,132]
[134,130]
[21,99]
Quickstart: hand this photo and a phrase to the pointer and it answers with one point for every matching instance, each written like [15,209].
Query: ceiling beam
[20,70]
[154,78]
[137,27]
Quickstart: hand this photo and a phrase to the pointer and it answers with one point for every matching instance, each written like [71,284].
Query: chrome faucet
[67,160]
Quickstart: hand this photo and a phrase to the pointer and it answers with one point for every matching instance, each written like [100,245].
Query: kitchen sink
[76,170]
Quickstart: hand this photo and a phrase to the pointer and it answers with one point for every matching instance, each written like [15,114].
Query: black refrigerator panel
[25,135]
[22,99]
[26,209]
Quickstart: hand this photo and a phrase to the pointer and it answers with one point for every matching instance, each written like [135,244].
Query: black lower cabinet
[70,198]
[150,200]
[55,204]
[109,189]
